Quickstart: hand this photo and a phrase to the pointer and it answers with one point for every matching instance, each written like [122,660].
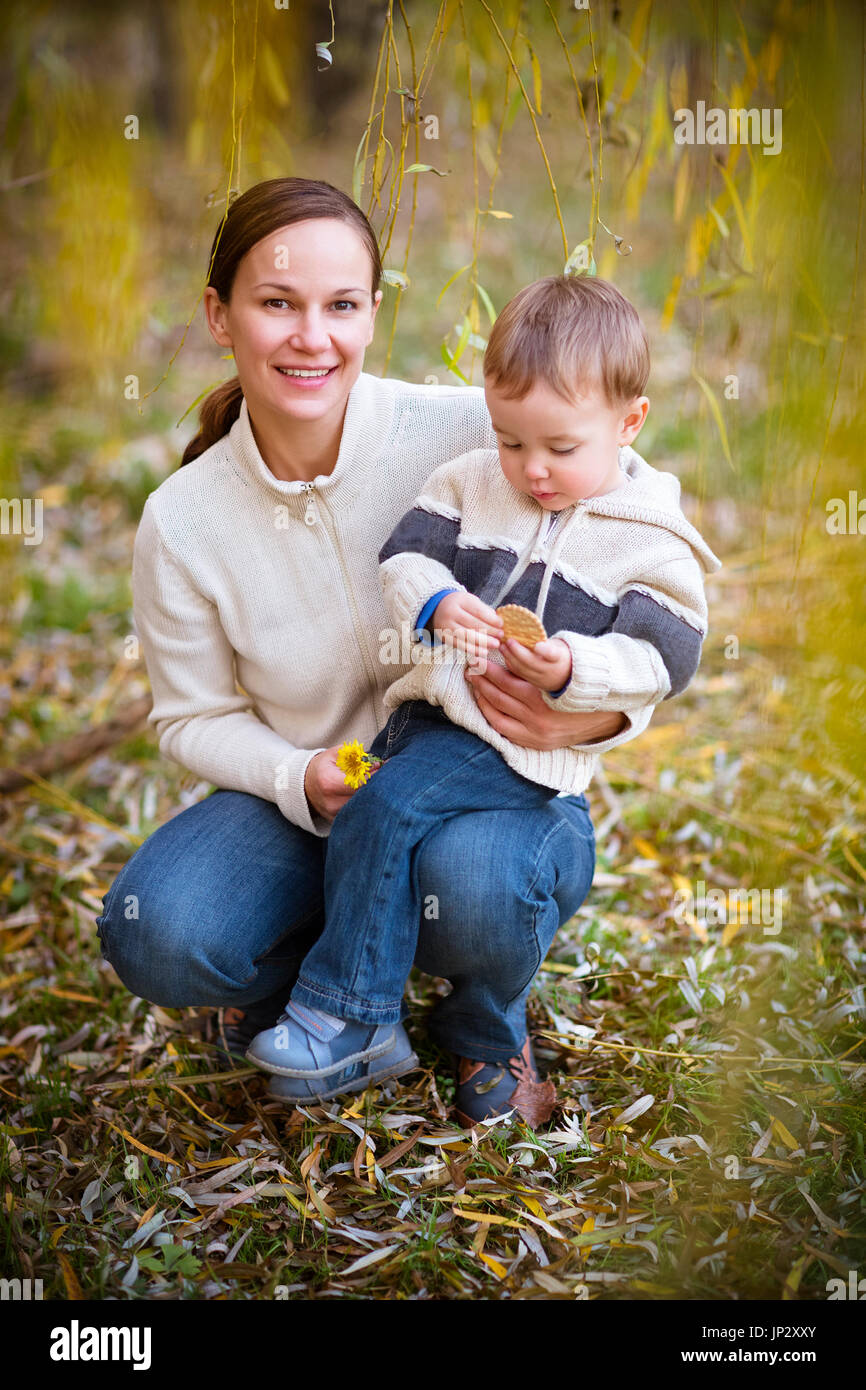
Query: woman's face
[300,302]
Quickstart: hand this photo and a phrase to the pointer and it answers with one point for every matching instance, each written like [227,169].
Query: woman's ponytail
[217,413]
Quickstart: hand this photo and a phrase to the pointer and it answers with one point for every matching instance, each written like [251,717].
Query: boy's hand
[463,621]
[547,665]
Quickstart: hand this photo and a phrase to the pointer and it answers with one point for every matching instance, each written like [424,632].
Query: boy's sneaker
[488,1089]
[355,1077]
[309,1046]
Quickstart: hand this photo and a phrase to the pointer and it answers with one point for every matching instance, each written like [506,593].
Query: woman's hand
[324,784]
[515,709]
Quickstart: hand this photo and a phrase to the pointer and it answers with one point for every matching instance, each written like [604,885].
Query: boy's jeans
[434,771]
[221,905]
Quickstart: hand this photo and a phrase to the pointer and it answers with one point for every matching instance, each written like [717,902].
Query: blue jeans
[434,770]
[223,903]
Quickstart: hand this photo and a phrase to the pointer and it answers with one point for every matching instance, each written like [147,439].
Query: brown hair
[257,213]
[573,332]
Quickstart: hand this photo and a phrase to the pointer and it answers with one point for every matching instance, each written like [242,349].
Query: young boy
[563,519]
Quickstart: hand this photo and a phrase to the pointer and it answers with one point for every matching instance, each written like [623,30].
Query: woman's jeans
[223,903]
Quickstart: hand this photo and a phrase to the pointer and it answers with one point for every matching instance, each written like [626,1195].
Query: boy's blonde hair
[573,332]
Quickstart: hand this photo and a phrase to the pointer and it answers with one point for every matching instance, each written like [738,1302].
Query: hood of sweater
[651,495]
[648,495]
[366,425]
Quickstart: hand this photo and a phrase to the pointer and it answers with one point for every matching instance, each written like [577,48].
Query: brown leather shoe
[485,1089]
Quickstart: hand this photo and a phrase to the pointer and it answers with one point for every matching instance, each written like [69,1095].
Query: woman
[258,606]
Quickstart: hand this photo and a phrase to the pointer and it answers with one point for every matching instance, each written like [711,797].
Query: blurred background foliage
[554,128]
[491,142]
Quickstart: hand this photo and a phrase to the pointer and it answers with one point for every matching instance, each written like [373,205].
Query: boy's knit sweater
[258,602]
[618,577]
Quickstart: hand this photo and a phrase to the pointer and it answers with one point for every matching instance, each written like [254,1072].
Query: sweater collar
[366,424]
[652,495]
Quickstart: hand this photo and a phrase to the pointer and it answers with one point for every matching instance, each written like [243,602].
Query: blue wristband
[428,610]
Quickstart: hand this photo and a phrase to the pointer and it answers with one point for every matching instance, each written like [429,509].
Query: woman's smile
[307,378]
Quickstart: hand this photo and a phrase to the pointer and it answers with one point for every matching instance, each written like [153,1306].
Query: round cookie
[521,623]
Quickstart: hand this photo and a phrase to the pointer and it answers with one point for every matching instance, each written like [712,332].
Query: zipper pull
[311,515]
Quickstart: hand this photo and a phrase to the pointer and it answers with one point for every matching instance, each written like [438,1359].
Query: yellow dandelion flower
[354,763]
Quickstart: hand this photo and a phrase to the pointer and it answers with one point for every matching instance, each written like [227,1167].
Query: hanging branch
[76,749]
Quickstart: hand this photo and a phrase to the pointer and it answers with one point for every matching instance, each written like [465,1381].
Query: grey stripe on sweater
[568,606]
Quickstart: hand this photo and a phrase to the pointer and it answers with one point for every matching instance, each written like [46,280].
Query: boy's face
[558,452]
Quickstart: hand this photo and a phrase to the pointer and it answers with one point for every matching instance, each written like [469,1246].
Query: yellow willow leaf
[668,310]
[535,1207]
[730,931]
[639,23]
[358,169]
[647,850]
[311,1159]
[740,216]
[210,1162]
[326,1212]
[189,1100]
[498,1269]
[72,994]
[497,212]
[588,1225]
[137,1144]
[378,166]
[678,87]
[785,1134]
[770,58]
[855,863]
[682,183]
[145,1216]
[449,283]
[713,403]
[299,1206]
[54,495]
[488,1216]
[73,1288]
[795,1274]
[682,883]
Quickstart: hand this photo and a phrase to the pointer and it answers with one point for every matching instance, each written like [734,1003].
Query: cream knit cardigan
[258,602]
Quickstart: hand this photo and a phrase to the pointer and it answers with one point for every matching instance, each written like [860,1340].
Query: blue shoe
[486,1090]
[351,1077]
[304,1045]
